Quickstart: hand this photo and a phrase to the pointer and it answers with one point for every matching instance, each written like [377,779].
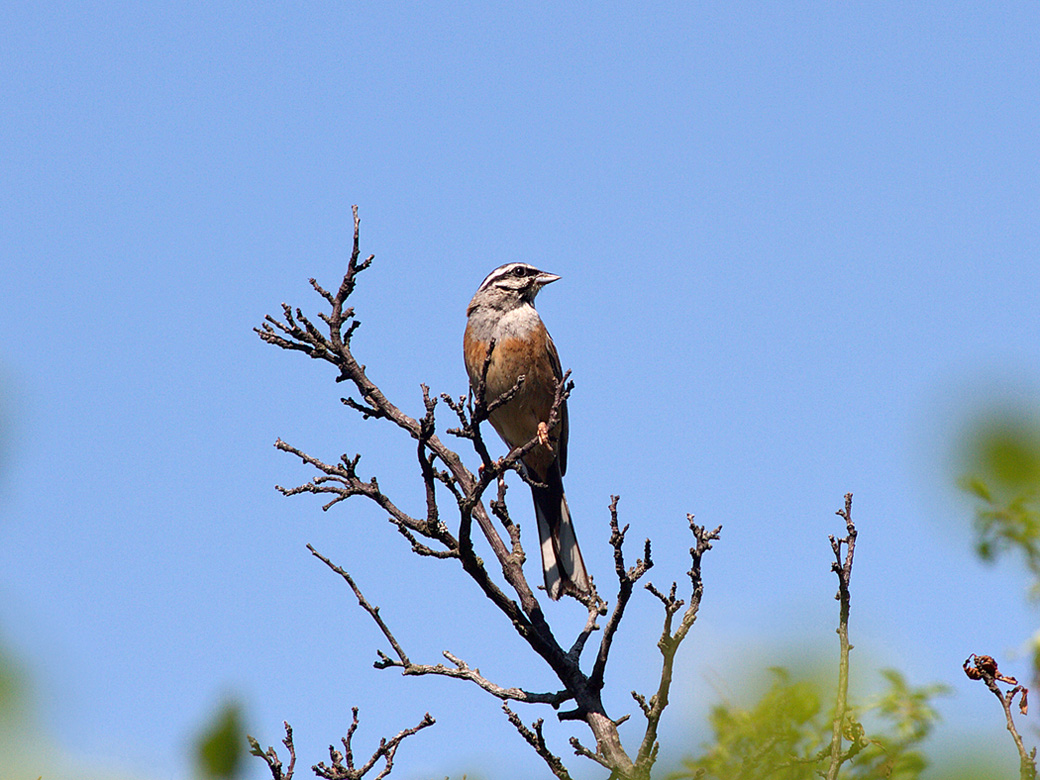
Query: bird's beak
[544,278]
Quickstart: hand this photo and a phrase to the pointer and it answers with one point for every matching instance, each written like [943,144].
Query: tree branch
[843,568]
[461,669]
[669,642]
[534,738]
[386,751]
[985,669]
[627,579]
[442,467]
[339,770]
[270,757]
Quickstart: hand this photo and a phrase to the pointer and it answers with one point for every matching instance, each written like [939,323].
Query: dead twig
[533,736]
[274,765]
[669,641]
[328,338]
[984,668]
[843,568]
[343,766]
[460,670]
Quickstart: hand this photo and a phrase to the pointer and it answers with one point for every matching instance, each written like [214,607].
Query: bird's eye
[519,271]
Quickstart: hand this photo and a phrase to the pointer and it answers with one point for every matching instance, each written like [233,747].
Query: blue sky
[799,248]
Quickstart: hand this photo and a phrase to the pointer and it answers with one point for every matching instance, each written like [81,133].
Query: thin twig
[328,338]
[627,578]
[371,610]
[669,642]
[270,757]
[581,750]
[533,736]
[985,669]
[843,568]
[461,669]
[343,767]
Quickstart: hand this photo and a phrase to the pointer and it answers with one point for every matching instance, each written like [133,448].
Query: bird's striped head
[511,285]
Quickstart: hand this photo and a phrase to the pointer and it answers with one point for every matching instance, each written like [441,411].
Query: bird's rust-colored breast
[517,421]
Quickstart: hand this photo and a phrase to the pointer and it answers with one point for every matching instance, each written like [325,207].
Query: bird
[502,309]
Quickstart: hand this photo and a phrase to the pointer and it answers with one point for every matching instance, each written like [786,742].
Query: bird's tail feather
[562,563]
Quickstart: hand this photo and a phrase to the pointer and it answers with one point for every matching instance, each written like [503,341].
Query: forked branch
[842,567]
[443,471]
[460,669]
[669,641]
[984,668]
[343,766]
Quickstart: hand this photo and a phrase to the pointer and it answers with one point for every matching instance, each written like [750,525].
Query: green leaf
[220,748]
[976,487]
[785,734]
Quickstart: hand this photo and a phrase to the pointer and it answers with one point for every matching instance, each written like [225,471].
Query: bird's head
[511,285]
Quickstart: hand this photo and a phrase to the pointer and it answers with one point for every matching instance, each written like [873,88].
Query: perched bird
[503,309]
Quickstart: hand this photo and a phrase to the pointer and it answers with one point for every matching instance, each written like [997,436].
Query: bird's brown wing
[561,445]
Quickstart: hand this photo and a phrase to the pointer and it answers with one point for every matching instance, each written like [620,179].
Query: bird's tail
[562,564]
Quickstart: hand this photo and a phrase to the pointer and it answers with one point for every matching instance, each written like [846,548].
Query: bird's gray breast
[516,323]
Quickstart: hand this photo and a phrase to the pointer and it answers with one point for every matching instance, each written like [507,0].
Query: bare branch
[328,338]
[669,642]
[341,480]
[373,611]
[418,547]
[985,669]
[581,750]
[366,411]
[270,757]
[843,568]
[461,670]
[343,767]
[627,579]
[535,739]
[641,701]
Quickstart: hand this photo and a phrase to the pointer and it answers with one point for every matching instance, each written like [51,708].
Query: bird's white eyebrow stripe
[501,272]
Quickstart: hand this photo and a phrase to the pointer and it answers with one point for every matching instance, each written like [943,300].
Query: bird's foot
[543,436]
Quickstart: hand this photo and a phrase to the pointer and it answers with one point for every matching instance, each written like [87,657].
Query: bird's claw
[543,436]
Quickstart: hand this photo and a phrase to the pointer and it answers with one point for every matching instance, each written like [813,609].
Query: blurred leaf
[1010,452]
[1001,455]
[909,709]
[220,748]
[1034,647]
[786,733]
[12,690]
[771,739]
[975,486]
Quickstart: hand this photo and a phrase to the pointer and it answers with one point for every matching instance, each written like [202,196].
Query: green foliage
[220,748]
[768,740]
[1002,473]
[11,689]
[786,733]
